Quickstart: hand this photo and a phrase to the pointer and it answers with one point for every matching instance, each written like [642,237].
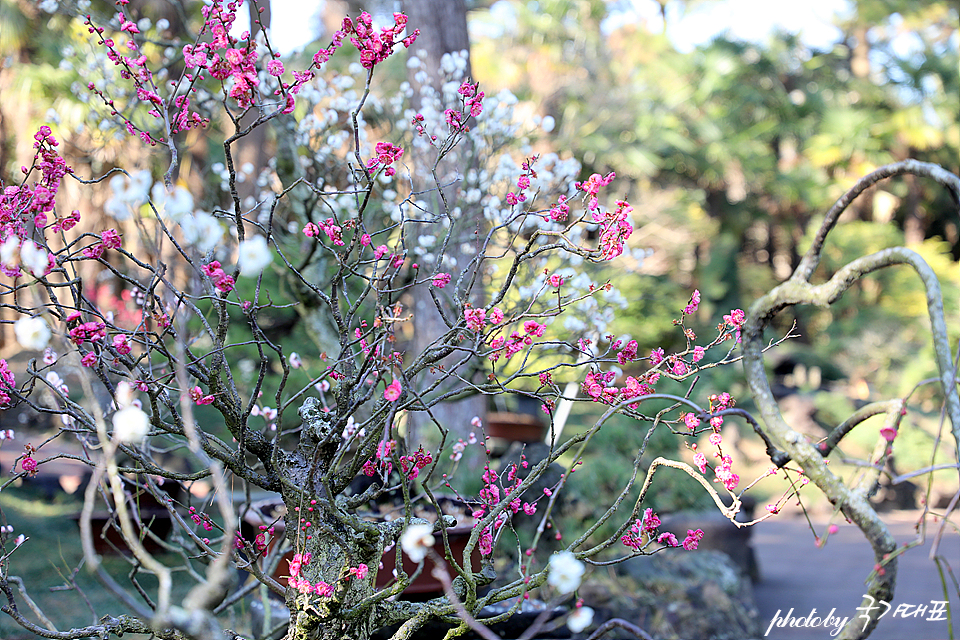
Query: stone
[719,534]
[674,594]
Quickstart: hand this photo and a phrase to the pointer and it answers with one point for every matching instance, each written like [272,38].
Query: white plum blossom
[34,259]
[10,251]
[580,619]
[32,333]
[416,540]
[130,423]
[55,381]
[254,256]
[564,572]
[173,204]
[128,194]
[202,231]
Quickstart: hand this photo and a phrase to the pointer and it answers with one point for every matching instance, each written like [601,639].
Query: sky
[749,20]
[295,23]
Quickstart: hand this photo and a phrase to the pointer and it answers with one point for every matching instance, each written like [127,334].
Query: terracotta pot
[108,541]
[145,510]
[518,427]
[425,582]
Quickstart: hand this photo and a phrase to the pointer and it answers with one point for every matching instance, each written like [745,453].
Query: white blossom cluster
[200,229]
[498,141]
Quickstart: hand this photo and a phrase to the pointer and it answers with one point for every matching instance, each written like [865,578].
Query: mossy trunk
[334,540]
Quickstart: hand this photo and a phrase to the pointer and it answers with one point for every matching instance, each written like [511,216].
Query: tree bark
[443,29]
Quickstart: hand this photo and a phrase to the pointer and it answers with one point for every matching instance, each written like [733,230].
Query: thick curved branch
[852,503]
[812,258]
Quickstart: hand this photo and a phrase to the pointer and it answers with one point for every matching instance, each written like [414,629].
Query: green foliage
[881,325]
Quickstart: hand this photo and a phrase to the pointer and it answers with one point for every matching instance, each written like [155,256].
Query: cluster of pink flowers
[591,187]
[418,124]
[201,519]
[472,97]
[735,320]
[719,402]
[67,222]
[724,471]
[559,211]
[121,344]
[321,588]
[132,67]
[232,61]
[599,386]
[360,571]
[386,155]
[501,345]
[25,208]
[236,63]
[725,474]
[645,527]
[644,530]
[376,47]
[523,182]
[385,449]
[260,542]
[303,585]
[196,394]
[457,119]
[109,239]
[441,280]
[628,353]
[490,497]
[329,227]
[222,282]
[508,347]
[615,228]
[412,464]
[474,317]
[29,463]
[693,539]
[93,330]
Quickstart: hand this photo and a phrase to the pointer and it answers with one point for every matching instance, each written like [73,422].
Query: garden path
[796,574]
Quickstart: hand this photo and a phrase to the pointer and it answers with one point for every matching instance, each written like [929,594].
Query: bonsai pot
[146,513]
[517,427]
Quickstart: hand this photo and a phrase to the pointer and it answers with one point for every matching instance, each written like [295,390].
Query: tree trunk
[443,29]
